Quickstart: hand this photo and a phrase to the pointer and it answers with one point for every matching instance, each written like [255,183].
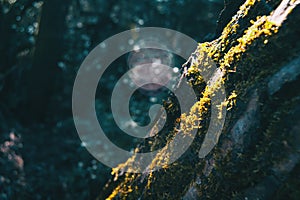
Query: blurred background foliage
[42,45]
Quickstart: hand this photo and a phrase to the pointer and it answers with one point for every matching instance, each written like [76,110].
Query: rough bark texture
[258,58]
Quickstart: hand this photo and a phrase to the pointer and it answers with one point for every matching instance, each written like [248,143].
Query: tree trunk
[258,57]
[39,80]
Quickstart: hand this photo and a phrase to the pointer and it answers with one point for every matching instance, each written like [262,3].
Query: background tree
[42,81]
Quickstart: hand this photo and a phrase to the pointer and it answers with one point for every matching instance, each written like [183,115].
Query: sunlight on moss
[259,30]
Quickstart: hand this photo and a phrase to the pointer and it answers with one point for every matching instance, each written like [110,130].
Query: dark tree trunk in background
[4,32]
[39,80]
[258,54]
[10,47]
[7,56]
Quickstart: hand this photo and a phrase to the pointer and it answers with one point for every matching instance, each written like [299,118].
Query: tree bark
[258,57]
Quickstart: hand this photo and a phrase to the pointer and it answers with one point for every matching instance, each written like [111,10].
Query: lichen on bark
[258,144]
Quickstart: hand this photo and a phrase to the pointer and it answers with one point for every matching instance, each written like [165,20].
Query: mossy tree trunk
[258,54]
